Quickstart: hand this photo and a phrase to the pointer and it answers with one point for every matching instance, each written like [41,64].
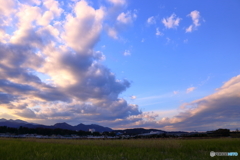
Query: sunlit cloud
[60,47]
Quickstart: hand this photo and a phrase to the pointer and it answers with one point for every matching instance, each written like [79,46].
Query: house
[91,130]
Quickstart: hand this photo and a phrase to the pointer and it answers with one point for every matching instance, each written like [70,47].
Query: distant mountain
[92,126]
[14,121]
[17,123]
[63,125]
[3,120]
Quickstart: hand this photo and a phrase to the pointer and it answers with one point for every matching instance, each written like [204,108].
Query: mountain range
[17,123]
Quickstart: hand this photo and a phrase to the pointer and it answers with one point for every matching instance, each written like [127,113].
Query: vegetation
[46,131]
[140,149]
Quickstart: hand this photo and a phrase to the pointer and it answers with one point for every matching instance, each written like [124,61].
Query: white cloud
[6,7]
[28,15]
[53,11]
[133,97]
[190,89]
[151,20]
[158,33]
[82,31]
[171,22]
[190,28]
[127,53]
[127,18]
[195,15]
[117,2]
[112,33]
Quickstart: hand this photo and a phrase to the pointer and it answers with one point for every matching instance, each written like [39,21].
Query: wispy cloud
[158,33]
[171,22]
[133,97]
[117,2]
[151,20]
[191,89]
[112,33]
[195,15]
[127,53]
[127,18]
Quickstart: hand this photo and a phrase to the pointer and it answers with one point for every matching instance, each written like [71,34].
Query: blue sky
[161,64]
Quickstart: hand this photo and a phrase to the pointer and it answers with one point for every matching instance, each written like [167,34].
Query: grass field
[139,149]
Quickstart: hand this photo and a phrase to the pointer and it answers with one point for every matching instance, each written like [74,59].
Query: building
[91,130]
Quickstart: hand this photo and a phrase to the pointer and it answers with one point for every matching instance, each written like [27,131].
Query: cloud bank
[219,110]
[49,70]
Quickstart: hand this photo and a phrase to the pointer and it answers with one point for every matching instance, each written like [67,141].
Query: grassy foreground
[139,149]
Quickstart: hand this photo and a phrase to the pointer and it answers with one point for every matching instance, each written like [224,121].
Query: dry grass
[140,149]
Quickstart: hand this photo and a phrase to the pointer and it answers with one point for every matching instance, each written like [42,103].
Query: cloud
[81,88]
[195,15]
[151,20]
[219,110]
[127,53]
[127,18]
[112,33]
[26,113]
[53,11]
[31,2]
[133,97]
[171,22]
[117,2]
[175,92]
[158,33]
[190,89]
[86,26]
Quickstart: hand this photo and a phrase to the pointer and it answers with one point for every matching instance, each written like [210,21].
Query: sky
[171,65]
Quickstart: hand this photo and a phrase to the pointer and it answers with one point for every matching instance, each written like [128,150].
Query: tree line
[48,131]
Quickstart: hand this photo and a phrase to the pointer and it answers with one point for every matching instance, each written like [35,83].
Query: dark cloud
[6,98]
[26,113]
[10,87]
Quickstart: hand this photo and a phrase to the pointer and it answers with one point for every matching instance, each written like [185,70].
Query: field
[138,149]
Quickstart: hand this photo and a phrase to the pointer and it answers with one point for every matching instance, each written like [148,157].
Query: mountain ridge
[63,125]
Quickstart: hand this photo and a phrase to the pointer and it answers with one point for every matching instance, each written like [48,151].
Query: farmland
[133,149]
